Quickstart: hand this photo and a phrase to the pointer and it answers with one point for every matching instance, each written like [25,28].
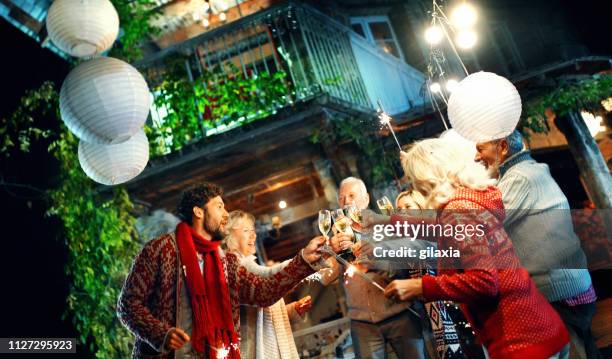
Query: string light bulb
[435,87]
[464,16]
[205,23]
[433,35]
[466,39]
[222,16]
[282,204]
[451,84]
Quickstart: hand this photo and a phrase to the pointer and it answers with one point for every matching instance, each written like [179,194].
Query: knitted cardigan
[511,318]
[539,224]
[150,296]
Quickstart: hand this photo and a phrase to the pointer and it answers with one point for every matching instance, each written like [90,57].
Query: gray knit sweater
[538,221]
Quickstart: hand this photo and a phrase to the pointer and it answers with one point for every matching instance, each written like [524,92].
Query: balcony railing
[248,69]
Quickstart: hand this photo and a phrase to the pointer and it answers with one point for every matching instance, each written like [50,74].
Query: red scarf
[213,326]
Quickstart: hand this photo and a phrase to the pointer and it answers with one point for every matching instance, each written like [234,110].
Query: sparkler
[351,270]
[223,352]
[385,120]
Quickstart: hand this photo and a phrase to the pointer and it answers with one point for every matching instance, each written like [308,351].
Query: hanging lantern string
[385,119]
[434,103]
[445,23]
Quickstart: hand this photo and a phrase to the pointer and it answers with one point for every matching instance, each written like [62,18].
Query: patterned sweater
[149,302]
[510,316]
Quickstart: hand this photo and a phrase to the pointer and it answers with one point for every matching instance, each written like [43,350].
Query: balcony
[251,68]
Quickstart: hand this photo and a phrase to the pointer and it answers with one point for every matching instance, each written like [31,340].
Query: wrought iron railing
[248,69]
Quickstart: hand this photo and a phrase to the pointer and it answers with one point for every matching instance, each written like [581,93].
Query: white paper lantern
[484,107]
[82,28]
[104,101]
[115,164]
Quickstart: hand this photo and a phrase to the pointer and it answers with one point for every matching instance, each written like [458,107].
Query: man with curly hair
[181,298]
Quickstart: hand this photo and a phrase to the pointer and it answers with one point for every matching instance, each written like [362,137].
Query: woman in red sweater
[510,317]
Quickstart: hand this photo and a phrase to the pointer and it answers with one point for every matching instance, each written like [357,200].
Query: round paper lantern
[82,28]
[484,107]
[104,101]
[115,164]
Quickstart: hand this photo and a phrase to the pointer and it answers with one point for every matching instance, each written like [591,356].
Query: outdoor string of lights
[461,23]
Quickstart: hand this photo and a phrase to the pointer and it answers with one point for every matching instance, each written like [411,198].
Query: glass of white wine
[355,214]
[324,222]
[385,206]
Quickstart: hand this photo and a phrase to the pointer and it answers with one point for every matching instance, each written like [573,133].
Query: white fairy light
[435,87]
[451,85]
[205,23]
[222,16]
[466,39]
[433,35]
[464,16]
[282,204]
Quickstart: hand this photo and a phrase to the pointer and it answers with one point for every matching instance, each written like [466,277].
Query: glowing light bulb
[282,204]
[435,87]
[464,16]
[222,16]
[451,85]
[205,23]
[433,35]
[466,39]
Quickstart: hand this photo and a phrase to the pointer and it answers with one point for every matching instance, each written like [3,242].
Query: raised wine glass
[324,222]
[385,206]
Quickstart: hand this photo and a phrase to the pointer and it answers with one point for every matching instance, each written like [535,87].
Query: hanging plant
[584,95]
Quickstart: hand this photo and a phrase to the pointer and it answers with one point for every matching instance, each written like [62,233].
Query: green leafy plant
[135,18]
[217,97]
[365,136]
[569,96]
[98,229]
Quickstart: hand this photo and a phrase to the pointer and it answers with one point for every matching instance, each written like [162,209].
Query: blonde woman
[510,317]
[266,332]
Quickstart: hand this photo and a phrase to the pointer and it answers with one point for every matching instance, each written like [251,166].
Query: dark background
[34,286]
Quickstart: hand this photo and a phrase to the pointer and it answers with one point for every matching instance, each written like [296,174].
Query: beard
[215,230]
[492,169]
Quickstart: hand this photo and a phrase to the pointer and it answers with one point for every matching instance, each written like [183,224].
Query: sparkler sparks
[223,352]
[385,120]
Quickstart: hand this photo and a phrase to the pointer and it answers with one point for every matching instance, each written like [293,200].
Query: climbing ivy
[568,96]
[98,229]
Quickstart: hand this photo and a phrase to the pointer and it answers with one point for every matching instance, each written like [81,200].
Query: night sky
[34,286]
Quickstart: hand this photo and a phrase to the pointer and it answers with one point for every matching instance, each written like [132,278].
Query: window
[378,30]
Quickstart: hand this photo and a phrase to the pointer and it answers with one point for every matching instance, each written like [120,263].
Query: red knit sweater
[501,302]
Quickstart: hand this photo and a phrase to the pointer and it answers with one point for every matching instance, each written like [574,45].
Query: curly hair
[436,168]
[196,196]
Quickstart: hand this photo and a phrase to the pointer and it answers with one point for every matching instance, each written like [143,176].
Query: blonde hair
[234,218]
[436,168]
[415,196]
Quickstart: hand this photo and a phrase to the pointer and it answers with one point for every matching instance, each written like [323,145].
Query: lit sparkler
[223,352]
[385,120]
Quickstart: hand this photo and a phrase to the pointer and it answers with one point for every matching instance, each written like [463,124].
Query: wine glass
[324,222]
[343,225]
[355,214]
[385,206]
